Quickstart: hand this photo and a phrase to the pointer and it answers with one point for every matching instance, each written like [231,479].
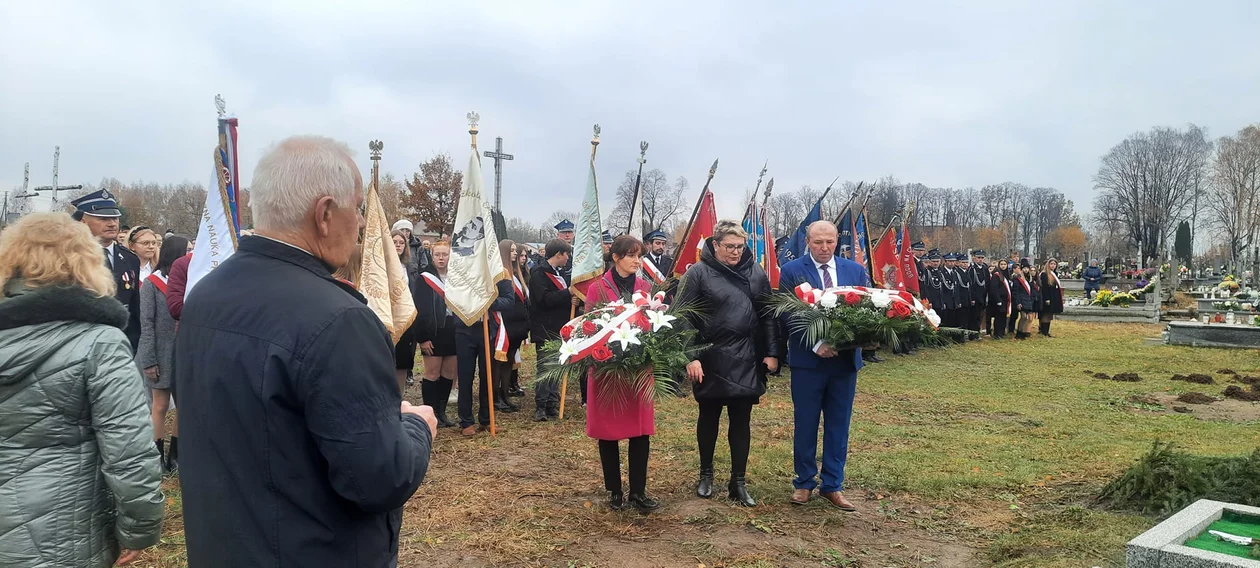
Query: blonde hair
[350,272]
[51,249]
[1045,269]
[727,228]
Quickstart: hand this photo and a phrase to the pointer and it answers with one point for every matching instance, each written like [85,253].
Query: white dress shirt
[109,255]
[831,271]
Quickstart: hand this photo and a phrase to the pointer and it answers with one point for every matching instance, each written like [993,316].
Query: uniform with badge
[663,263]
[124,263]
[949,292]
[933,289]
[979,279]
[566,226]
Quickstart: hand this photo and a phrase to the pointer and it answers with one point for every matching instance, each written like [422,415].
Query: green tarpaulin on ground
[1232,523]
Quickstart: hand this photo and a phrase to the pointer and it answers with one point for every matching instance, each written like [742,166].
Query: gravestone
[1164,545]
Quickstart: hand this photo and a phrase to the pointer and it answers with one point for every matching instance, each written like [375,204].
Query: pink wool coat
[622,416]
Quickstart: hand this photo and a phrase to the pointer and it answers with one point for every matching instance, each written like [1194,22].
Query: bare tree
[661,200]
[523,231]
[1152,178]
[1234,202]
[433,194]
[391,191]
[549,226]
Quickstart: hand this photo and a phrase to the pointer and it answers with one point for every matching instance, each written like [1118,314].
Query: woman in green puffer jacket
[79,475]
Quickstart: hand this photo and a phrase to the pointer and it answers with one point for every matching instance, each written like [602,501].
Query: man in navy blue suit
[824,379]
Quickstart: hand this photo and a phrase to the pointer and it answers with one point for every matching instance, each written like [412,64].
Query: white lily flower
[566,351]
[828,300]
[932,318]
[660,320]
[880,299]
[605,316]
[626,335]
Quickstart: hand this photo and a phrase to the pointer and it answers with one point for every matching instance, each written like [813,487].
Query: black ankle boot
[172,456]
[616,501]
[704,488]
[644,503]
[738,489]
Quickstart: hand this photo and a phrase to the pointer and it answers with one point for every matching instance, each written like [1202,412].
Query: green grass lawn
[995,448]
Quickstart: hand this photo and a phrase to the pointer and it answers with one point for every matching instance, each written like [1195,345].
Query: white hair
[296,173]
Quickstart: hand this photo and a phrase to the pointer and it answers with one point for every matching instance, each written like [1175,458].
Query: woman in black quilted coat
[1051,296]
[1023,298]
[729,289]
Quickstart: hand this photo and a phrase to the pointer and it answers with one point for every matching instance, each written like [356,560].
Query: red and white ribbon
[500,339]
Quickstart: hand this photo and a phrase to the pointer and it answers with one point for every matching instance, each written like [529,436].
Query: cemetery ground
[988,454]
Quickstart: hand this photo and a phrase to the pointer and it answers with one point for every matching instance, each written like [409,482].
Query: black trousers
[997,325]
[974,315]
[738,434]
[610,459]
[503,372]
[1010,321]
[470,353]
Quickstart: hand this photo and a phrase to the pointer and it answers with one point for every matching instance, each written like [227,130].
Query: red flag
[886,267]
[909,268]
[771,258]
[701,229]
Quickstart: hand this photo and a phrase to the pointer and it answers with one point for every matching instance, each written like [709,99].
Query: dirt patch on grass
[1238,393]
[1121,377]
[1195,398]
[537,499]
[1220,410]
[1247,380]
[1196,378]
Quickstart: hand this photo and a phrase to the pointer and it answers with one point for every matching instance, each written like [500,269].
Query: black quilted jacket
[732,301]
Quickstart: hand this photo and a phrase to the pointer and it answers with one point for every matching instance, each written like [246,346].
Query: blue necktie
[826,275]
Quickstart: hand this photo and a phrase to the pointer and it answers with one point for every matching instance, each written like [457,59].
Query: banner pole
[564,383]
[489,378]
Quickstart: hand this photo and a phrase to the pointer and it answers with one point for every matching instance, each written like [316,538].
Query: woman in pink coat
[613,416]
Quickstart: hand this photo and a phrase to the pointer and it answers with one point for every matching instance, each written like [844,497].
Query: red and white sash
[557,280]
[1007,283]
[500,339]
[522,294]
[652,270]
[435,283]
[159,282]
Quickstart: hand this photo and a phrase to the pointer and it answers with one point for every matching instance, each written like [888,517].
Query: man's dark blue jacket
[295,452]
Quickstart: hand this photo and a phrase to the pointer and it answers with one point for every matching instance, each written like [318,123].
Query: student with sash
[435,334]
[550,308]
[156,351]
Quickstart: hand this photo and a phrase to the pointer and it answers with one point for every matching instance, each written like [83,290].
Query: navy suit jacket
[800,355]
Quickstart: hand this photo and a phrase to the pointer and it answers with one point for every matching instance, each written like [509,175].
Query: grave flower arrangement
[852,316]
[1227,306]
[1229,283]
[643,344]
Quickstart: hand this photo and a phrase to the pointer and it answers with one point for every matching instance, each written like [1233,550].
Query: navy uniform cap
[918,245]
[97,204]
[654,235]
[564,226]
[978,252]
[950,256]
[608,237]
[934,254]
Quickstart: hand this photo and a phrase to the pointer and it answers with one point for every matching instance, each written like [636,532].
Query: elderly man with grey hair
[824,377]
[298,448]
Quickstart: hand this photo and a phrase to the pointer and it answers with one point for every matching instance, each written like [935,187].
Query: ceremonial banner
[475,267]
[845,229]
[216,236]
[798,243]
[701,229]
[909,269]
[861,241]
[588,245]
[887,273]
[770,262]
[756,237]
[227,145]
[382,277]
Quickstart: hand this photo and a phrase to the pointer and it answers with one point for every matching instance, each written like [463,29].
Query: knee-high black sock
[739,436]
[639,447]
[427,393]
[610,459]
[707,433]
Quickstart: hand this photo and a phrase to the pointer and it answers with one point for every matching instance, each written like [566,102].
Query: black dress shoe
[444,422]
[616,501]
[540,415]
[738,492]
[704,488]
[553,411]
[644,503]
[504,407]
[516,391]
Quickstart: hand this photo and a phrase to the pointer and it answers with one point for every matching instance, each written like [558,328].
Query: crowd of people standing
[298,445]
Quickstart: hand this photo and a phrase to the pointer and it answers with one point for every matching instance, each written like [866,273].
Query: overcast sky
[949,94]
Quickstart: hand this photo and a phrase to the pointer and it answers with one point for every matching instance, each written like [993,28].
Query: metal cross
[498,156]
[54,188]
